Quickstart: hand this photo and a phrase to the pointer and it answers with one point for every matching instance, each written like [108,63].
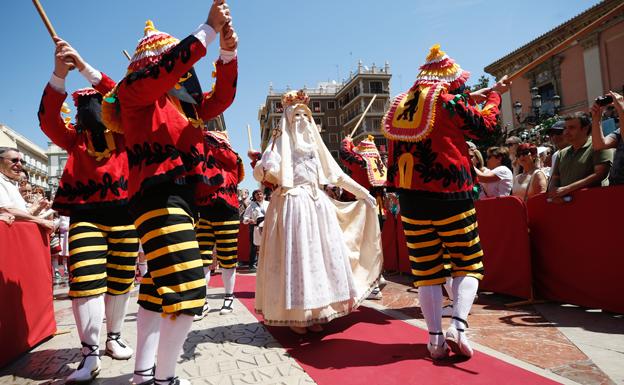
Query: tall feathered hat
[151,47]
[440,68]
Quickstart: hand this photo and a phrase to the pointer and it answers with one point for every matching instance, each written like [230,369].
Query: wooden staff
[362,117]
[126,54]
[560,47]
[249,137]
[45,19]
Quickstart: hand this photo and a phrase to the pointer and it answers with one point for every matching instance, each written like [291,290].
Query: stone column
[593,73]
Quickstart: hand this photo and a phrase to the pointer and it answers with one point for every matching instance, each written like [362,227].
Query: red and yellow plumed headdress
[412,115]
[439,68]
[150,49]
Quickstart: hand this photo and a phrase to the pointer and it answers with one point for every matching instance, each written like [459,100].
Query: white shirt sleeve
[92,75]
[205,34]
[227,56]
[57,84]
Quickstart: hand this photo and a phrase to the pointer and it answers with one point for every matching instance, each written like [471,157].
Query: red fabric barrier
[27,312]
[506,248]
[243,243]
[390,244]
[577,248]
[396,256]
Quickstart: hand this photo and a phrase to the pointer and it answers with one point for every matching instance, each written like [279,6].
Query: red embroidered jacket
[231,168]
[86,183]
[439,166]
[164,146]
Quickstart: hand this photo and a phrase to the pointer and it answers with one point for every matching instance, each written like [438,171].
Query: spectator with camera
[578,165]
[496,180]
[11,201]
[614,139]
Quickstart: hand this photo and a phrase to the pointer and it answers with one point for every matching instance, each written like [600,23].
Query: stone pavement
[572,344]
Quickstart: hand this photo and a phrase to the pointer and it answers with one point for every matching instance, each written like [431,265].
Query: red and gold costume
[219,218]
[91,179]
[160,108]
[429,166]
[365,166]
[170,149]
[103,243]
[431,170]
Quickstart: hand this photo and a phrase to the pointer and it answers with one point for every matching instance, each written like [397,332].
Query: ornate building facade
[586,69]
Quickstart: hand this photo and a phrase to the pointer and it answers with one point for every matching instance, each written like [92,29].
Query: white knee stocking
[229,279]
[430,298]
[89,314]
[448,286]
[148,333]
[116,307]
[173,333]
[464,291]
[207,274]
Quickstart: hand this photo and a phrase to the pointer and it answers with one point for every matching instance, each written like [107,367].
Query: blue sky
[286,43]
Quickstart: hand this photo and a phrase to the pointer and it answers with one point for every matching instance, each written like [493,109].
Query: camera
[604,100]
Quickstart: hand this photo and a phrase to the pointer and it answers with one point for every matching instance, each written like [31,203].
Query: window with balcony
[316,106]
[277,107]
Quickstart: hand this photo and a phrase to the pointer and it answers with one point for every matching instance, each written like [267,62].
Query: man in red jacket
[161,109]
[103,243]
[429,167]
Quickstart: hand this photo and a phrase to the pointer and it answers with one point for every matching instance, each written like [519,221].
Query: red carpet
[369,347]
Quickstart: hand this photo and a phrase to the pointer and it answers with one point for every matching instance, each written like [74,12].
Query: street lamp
[536,103]
[556,103]
[536,106]
[517,107]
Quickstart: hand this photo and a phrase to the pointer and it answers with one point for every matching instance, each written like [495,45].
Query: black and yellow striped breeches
[175,279]
[102,255]
[436,230]
[218,225]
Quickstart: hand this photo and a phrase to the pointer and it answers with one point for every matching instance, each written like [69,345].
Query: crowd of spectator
[574,153]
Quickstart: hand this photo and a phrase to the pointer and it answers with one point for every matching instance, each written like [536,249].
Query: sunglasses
[16,160]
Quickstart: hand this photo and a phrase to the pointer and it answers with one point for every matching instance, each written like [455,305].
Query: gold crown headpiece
[291,98]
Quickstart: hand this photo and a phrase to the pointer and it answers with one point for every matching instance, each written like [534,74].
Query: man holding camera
[614,139]
[579,165]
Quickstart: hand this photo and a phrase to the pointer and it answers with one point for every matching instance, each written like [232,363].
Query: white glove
[345,182]
[271,161]
[370,200]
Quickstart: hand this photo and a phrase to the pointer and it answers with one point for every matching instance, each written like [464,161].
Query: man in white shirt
[254,217]
[11,200]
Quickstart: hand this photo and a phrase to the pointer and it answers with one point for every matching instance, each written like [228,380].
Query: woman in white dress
[319,258]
